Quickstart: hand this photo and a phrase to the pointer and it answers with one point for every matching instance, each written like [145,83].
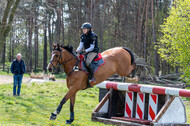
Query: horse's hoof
[52,117]
[69,121]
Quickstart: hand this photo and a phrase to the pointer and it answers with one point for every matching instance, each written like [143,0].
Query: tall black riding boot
[91,72]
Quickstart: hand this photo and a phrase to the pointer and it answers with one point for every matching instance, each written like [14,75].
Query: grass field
[5,73]
[37,101]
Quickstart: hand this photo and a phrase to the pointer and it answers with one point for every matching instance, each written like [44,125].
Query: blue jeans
[17,81]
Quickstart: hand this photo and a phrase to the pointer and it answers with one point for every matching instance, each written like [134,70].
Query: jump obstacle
[135,104]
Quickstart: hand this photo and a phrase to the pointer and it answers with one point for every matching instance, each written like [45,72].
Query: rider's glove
[82,52]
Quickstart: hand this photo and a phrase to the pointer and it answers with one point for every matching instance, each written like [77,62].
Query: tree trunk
[45,48]
[154,40]
[36,44]
[49,32]
[145,34]
[4,53]
[26,42]
[62,27]
[139,28]
[10,46]
[6,24]
[101,23]
[30,42]
[58,25]
[52,30]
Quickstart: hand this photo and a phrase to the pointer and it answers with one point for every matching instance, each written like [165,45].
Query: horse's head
[58,56]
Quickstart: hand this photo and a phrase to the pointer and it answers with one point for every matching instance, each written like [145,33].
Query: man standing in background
[17,69]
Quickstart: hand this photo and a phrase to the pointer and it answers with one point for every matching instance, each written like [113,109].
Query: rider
[90,42]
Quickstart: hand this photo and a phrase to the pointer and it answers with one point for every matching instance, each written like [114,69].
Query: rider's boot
[91,72]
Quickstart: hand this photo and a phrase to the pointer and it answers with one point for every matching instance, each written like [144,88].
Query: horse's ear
[62,46]
[54,46]
[71,48]
[58,46]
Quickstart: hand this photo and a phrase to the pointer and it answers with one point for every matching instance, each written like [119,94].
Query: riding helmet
[86,25]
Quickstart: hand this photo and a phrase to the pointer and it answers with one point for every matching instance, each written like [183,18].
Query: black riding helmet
[86,25]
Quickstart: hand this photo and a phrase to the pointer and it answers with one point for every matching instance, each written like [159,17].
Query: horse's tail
[133,64]
[131,53]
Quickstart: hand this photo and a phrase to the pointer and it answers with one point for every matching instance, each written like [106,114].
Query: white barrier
[171,112]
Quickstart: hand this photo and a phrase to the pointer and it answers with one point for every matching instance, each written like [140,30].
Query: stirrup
[76,68]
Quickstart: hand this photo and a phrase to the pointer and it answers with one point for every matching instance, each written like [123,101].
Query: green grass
[60,76]
[187,104]
[37,101]
[5,73]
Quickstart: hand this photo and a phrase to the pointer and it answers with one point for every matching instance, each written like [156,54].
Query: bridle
[59,60]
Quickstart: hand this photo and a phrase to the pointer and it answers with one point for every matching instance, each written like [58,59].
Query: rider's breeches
[90,57]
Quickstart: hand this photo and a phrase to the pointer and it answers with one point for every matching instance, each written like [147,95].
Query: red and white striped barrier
[129,104]
[153,106]
[164,99]
[144,88]
[140,105]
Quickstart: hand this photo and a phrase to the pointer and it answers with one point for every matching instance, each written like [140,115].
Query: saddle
[97,62]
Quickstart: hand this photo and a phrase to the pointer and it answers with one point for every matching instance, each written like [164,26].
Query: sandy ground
[7,79]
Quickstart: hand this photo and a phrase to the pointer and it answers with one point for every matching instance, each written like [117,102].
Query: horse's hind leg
[69,94]
[72,102]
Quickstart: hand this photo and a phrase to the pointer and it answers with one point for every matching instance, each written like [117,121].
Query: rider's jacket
[90,42]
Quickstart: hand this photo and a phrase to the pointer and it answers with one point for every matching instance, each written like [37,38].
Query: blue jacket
[18,67]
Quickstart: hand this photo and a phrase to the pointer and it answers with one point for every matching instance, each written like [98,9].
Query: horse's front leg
[69,94]
[72,102]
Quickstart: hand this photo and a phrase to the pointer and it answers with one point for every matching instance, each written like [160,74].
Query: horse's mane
[58,47]
[69,48]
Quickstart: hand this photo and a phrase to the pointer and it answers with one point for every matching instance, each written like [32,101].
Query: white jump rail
[145,88]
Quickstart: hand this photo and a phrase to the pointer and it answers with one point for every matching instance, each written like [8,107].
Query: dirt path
[7,79]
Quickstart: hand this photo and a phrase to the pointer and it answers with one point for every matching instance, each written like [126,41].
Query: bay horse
[118,60]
